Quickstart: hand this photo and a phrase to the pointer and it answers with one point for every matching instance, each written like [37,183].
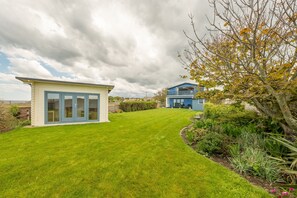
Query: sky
[131,44]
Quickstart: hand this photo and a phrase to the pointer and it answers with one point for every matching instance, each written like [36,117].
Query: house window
[178,103]
[53,107]
[200,101]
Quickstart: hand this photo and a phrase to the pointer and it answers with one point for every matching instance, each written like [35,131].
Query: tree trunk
[284,109]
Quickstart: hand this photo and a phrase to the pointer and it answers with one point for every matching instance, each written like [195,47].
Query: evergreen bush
[137,105]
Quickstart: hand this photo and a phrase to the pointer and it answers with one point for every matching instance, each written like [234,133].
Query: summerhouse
[62,102]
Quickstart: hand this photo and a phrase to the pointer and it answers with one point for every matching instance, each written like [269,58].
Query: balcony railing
[181,93]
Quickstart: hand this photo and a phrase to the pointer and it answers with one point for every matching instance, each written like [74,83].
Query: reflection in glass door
[93,107]
[80,107]
[53,107]
[68,106]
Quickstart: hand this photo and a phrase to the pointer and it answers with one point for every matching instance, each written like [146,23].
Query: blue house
[183,96]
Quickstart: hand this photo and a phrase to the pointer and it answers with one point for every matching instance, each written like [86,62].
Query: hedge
[137,105]
[7,120]
[229,114]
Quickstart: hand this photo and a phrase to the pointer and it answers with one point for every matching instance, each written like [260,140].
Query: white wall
[38,94]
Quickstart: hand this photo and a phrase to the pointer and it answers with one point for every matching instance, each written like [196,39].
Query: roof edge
[182,84]
[28,80]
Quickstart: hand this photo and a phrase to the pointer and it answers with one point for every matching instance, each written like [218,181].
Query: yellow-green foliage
[251,59]
[229,113]
[7,121]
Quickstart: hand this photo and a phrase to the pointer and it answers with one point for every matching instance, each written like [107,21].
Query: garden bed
[246,143]
[224,161]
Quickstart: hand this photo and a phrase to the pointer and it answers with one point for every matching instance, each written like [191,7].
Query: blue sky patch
[4,63]
[53,71]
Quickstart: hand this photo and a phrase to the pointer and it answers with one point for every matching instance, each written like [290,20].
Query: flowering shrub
[290,192]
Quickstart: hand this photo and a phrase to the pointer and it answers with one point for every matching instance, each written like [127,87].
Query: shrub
[211,143]
[256,162]
[229,114]
[234,149]
[199,124]
[269,125]
[248,156]
[7,121]
[137,105]
[231,129]
[250,128]
[24,123]
[14,110]
[193,135]
[289,160]
[275,148]
[253,140]
[209,124]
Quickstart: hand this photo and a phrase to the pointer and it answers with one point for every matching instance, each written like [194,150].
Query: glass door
[93,107]
[71,107]
[74,107]
[53,107]
[68,105]
[80,107]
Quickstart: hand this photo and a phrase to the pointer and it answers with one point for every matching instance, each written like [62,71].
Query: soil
[224,161]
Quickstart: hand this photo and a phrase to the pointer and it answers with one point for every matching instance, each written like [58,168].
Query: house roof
[27,80]
[182,84]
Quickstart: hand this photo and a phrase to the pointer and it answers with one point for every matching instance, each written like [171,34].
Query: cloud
[130,44]
[9,86]
[22,66]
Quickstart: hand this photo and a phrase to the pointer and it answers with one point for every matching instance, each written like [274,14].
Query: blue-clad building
[183,96]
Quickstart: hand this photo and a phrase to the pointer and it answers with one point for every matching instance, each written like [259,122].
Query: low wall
[25,113]
[113,107]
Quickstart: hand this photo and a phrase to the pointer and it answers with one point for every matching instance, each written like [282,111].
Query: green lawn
[137,154]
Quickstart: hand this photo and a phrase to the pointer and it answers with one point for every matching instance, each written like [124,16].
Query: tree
[250,51]
[161,97]
[115,99]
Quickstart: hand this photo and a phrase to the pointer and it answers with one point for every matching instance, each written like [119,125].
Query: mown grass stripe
[137,154]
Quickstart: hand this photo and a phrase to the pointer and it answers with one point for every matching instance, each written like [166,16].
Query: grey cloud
[113,55]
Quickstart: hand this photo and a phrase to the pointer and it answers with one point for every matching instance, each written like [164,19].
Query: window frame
[61,107]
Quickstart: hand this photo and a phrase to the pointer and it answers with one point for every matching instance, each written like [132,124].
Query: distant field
[20,103]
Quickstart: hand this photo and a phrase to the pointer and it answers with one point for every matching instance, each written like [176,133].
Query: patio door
[66,107]
[74,107]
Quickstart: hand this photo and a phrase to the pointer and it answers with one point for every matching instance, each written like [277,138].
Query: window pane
[68,106]
[80,106]
[53,100]
[93,107]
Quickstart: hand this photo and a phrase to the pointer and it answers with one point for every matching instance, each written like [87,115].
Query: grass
[138,154]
